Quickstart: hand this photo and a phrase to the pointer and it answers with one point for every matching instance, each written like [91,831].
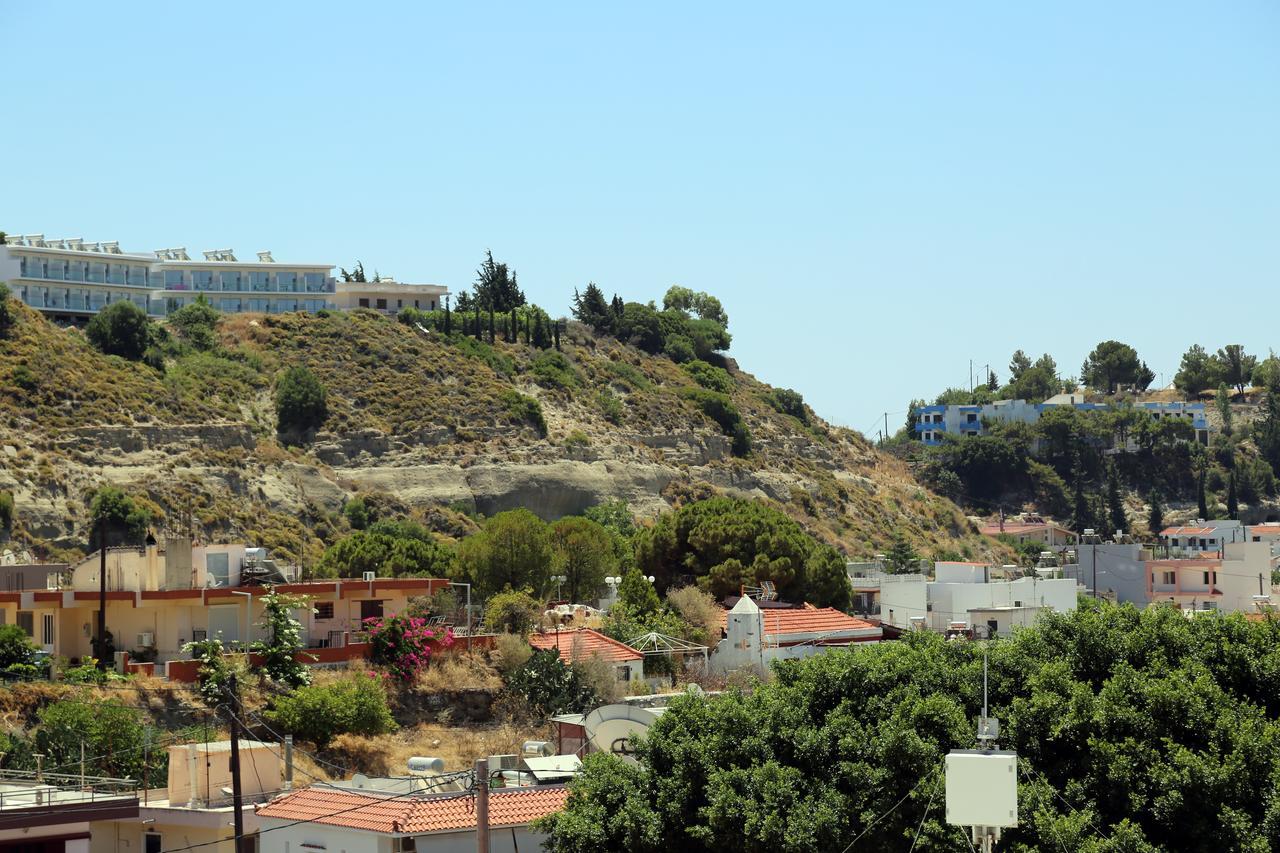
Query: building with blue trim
[935,423]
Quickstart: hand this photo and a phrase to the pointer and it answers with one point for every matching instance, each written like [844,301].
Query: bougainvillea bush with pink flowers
[401,645]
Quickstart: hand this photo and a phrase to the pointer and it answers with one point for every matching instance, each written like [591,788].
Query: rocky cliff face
[424,423]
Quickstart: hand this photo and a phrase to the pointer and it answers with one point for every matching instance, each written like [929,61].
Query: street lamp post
[559,579]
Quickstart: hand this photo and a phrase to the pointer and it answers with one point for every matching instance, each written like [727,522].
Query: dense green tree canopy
[1197,373]
[513,549]
[582,552]
[1138,731]
[196,323]
[1112,364]
[1236,366]
[301,401]
[118,515]
[122,329]
[725,543]
[389,548]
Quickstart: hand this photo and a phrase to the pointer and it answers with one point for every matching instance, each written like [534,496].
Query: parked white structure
[1233,582]
[72,279]
[964,597]
[1203,535]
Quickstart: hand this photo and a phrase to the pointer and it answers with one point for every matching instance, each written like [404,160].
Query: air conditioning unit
[146,640]
[370,575]
[503,762]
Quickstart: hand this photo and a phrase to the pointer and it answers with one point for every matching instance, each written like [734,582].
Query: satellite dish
[612,728]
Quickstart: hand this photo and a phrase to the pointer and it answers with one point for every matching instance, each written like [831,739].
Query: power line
[891,810]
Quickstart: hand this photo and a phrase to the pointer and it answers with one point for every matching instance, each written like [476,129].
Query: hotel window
[230,280]
[56,270]
[257,305]
[115,273]
[314,282]
[202,280]
[312,305]
[75,271]
[260,281]
[229,306]
[287,282]
[324,609]
[138,276]
[173,279]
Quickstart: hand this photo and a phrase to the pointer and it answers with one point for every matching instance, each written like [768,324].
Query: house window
[46,629]
[324,609]
[1206,578]
[971,418]
[151,843]
[370,610]
[405,845]
[27,622]
[364,303]
[1257,539]
[1167,578]
[382,304]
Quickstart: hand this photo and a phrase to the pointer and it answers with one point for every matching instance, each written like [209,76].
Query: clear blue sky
[877,192]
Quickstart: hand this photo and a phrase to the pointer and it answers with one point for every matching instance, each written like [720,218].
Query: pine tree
[448,319]
[1266,429]
[555,330]
[902,558]
[1115,504]
[993,384]
[1233,502]
[1155,518]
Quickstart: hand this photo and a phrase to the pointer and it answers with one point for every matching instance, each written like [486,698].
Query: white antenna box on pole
[982,788]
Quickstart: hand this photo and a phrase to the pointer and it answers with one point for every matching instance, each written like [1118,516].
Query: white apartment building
[963,594]
[388,296]
[71,279]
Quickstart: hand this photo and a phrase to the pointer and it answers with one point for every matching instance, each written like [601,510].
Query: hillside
[442,429]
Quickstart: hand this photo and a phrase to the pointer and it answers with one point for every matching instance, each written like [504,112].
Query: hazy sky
[877,192]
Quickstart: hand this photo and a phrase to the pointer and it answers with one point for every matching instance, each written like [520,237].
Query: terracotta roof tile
[582,643]
[1188,531]
[438,813]
[824,620]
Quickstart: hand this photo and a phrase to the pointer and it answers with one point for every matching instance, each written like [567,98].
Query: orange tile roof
[816,620]
[413,815]
[582,643]
[993,528]
[1188,531]
[1265,529]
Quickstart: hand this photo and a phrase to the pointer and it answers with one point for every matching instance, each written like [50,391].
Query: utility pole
[970,376]
[102,595]
[482,805]
[237,801]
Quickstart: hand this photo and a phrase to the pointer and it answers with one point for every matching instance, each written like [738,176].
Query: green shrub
[629,374]
[17,652]
[577,438]
[122,329]
[6,510]
[125,519]
[550,687]
[110,733]
[481,351]
[512,612]
[679,349]
[7,314]
[720,409]
[710,377]
[790,403]
[524,409]
[610,405]
[24,378]
[196,323]
[301,401]
[317,713]
[357,513]
[553,369]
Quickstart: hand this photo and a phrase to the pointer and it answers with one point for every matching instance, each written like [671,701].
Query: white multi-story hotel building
[70,279]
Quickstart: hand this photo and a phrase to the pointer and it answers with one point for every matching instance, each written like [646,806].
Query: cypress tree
[555,330]
[1155,519]
[1233,503]
[491,338]
[515,326]
[1115,505]
[479,330]
[1204,504]
[447,318]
